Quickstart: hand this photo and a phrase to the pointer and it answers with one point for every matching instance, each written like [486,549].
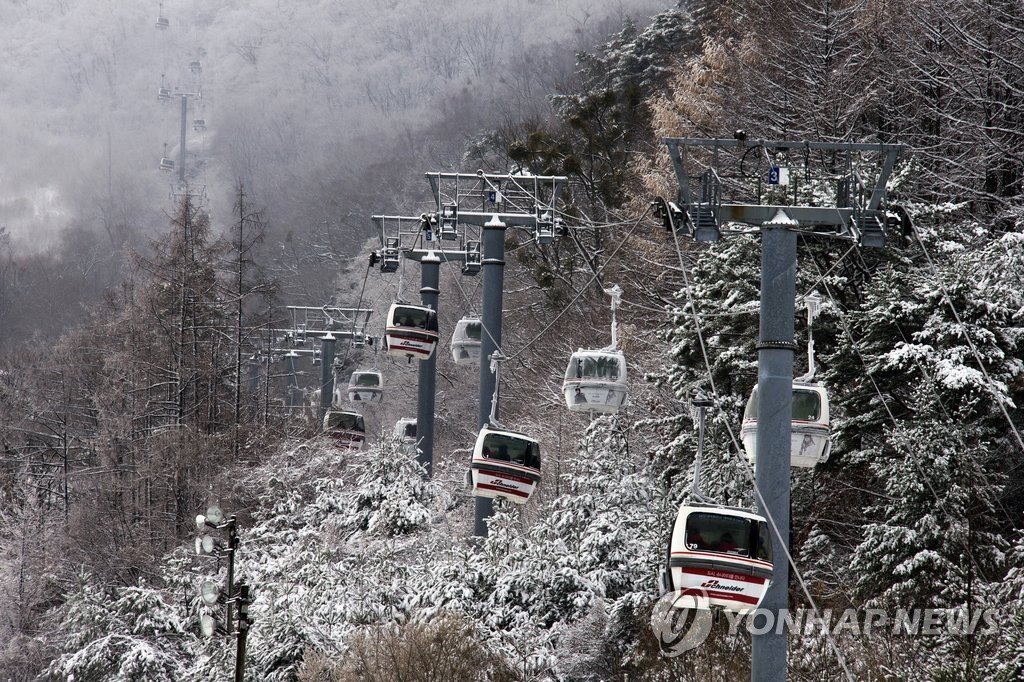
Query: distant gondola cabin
[595,380]
[346,429]
[366,386]
[809,440]
[723,554]
[411,331]
[466,341]
[505,464]
[405,434]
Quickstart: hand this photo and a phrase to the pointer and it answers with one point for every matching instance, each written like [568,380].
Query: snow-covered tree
[124,634]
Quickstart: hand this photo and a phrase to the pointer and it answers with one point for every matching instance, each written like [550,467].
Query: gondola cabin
[809,442]
[723,554]
[366,386]
[405,434]
[346,429]
[505,464]
[595,380]
[411,331]
[466,341]
[166,164]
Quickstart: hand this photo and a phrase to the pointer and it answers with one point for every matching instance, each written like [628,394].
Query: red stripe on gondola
[507,491]
[716,594]
[506,477]
[720,555]
[481,462]
[407,349]
[423,337]
[725,575]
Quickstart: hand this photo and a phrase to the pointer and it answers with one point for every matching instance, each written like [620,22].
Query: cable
[359,305]
[565,309]
[583,290]
[940,502]
[967,337]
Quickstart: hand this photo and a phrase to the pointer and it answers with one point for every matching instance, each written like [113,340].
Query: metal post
[181,150]
[243,631]
[493,267]
[430,273]
[326,373]
[774,426]
[233,543]
[293,384]
[254,375]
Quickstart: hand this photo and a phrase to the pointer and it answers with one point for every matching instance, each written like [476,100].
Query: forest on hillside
[124,426]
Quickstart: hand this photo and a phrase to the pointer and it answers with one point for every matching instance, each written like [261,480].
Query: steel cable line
[746,465]
[963,328]
[939,500]
[359,304]
[565,308]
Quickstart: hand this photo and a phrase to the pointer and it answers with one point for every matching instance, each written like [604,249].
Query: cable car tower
[826,189]
[418,238]
[183,93]
[494,203]
[473,211]
[325,324]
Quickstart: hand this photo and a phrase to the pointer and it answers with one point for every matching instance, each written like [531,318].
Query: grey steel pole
[430,274]
[774,426]
[254,375]
[233,543]
[326,373]
[181,150]
[242,631]
[293,384]
[493,266]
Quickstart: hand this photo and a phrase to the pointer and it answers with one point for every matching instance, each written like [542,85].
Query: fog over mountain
[318,107]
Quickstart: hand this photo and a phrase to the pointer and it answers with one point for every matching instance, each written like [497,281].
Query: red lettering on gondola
[500,489]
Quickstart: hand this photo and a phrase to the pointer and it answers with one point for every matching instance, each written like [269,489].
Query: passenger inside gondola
[806,406]
[764,549]
[515,450]
[726,544]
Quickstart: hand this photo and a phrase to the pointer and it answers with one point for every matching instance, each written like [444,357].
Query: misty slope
[302,99]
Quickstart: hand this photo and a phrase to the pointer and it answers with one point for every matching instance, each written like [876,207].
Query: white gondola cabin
[199,125]
[405,434]
[809,442]
[163,94]
[505,464]
[411,331]
[166,164]
[723,554]
[366,385]
[346,429]
[466,341]
[595,380]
